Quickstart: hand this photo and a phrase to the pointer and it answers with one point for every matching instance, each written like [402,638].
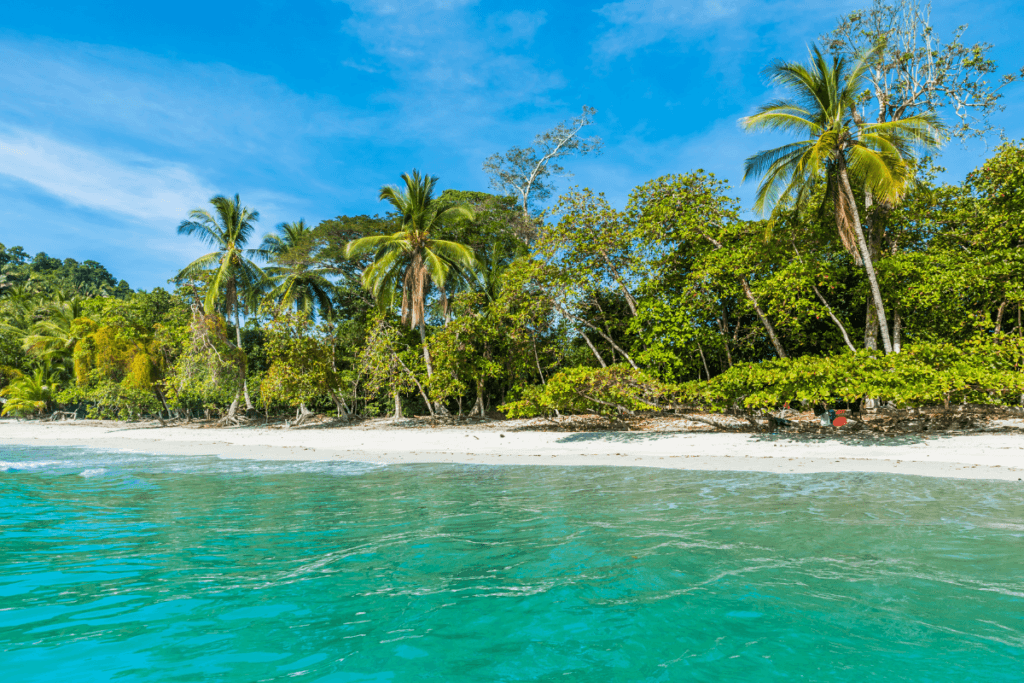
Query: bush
[981,372]
[610,392]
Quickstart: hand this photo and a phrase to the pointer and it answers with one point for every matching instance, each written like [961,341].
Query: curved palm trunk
[244,373]
[437,407]
[426,351]
[869,266]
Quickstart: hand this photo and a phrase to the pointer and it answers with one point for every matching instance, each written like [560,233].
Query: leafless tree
[527,172]
[917,71]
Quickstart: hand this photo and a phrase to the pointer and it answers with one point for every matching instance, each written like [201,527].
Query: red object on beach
[839,422]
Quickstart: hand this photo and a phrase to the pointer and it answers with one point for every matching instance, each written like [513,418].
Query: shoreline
[959,456]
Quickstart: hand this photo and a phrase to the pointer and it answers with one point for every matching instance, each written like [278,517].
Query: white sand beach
[996,455]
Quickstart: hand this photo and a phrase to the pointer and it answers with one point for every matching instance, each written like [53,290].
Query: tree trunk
[339,405]
[707,372]
[478,407]
[724,330]
[897,330]
[398,406]
[245,379]
[999,317]
[536,358]
[592,348]
[831,314]
[416,381]
[871,327]
[436,407]
[779,350]
[302,413]
[160,395]
[426,351]
[869,266]
[233,409]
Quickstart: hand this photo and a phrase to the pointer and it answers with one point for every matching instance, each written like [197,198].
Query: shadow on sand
[848,439]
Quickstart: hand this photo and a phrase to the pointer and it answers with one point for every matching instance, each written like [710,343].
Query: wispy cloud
[102,91]
[134,186]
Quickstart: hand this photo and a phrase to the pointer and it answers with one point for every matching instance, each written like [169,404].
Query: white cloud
[137,187]
[198,108]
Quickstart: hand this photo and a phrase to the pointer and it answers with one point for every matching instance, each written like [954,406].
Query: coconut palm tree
[233,279]
[63,325]
[295,280]
[411,261]
[838,145]
[31,394]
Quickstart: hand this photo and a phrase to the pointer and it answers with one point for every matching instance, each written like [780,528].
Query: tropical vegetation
[857,277]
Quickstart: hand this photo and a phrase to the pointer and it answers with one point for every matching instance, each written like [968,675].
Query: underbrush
[929,385]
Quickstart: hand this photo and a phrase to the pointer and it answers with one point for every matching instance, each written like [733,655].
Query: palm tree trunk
[245,380]
[438,407]
[426,351]
[869,266]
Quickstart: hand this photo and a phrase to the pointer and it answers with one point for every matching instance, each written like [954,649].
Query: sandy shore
[972,456]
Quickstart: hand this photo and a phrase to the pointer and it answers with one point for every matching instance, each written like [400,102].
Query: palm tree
[54,337]
[31,394]
[837,144]
[412,260]
[294,279]
[232,277]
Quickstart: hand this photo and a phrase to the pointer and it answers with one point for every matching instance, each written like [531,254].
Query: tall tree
[232,277]
[526,172]
[296,279]
[916,71]
[412,261]
[838,145]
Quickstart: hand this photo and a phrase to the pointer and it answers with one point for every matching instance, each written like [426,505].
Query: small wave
[9,466]
[93,473]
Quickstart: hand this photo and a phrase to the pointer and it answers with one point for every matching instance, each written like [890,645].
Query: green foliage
[408,263]
[207,369]
[49,275]
[386,360]
[32,393]
[986,371]
[303,368]
[611,392]
[464,351]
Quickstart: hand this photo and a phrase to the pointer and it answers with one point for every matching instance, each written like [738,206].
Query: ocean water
[135,567]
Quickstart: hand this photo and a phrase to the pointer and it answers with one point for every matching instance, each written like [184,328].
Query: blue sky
[116,118]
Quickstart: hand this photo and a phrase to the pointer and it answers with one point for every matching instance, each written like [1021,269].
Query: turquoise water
[134,567]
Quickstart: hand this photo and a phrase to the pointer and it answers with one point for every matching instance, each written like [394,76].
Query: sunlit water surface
[135,567]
